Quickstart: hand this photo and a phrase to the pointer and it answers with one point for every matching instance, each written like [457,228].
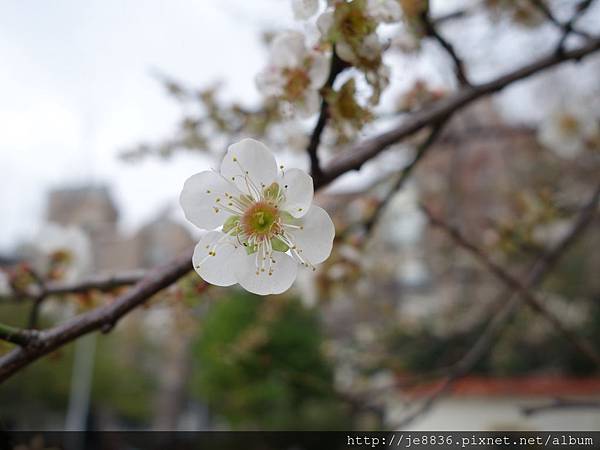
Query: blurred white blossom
[66,248]
[304,9]
[294,73]
[386,11]
[569,129]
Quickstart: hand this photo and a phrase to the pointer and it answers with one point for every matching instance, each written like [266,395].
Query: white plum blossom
[406,42]
[387,11]
[67,246]
[370,49]
[325,22]
[304,9]
[568,130]
[260,220]
[294,73]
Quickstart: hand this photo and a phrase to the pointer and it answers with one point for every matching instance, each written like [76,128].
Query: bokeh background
[96,106]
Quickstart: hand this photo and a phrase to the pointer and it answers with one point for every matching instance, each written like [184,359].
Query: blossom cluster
[296,73]
[570,129]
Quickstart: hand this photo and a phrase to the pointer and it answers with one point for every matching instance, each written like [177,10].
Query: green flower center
[261,219]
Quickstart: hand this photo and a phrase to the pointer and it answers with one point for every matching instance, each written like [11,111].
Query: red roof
[536,385]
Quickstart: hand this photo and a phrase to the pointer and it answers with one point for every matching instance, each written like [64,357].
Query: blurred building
[93,209]
[536,402]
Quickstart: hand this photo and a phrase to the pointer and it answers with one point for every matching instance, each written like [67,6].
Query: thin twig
[159,278]
[569,27]
[17,335]
[560,404]
[336,67]
[459,65]
[514,284]
[422,150]
[103,318]
[102,283]
[357,155]
[486,340]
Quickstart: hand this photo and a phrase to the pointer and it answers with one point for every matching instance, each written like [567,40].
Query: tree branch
[336,67]
[406,172]
[17,335]
[102,283]
[157,279]
[515,285]
[363,151]
[486,340]
[103,318]
[567,27]
[559,404]
[431,31]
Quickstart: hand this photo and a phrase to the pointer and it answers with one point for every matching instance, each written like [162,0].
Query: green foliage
[119,384]
[121,381]
[259,364]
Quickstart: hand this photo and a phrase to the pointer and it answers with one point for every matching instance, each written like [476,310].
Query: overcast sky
[76,86]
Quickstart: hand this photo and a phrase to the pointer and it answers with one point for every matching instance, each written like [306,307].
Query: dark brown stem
[560,404]
[103,318]
[432,31]
[364,151]
[336,67]
[515,285]
[157,279]
[16,335]
[422,150]
[510,305]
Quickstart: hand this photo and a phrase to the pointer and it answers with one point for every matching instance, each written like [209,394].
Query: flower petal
[304,9]
[284,272]
[315,239]
[288,49]
[325,23]
[199,199]
[270,82]
[215,268]
[250,165]
[345,51]
[309,105]
[299,190]
[387,11]
[319,70]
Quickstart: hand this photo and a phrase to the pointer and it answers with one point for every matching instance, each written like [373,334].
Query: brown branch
[432,31]
[159,278]
[16,335]
[515,285]
[363,151]
[336,67]
[422,150]
[102,283]
[486,340]
[566,27]
[103,318]
[43,290]
[569,27]
[560,404]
